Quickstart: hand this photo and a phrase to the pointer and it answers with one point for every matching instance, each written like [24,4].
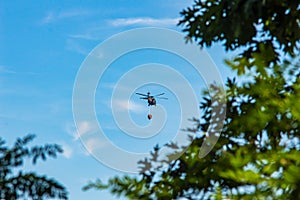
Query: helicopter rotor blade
[163,98]
[143,97]
[159,94]
[142,94]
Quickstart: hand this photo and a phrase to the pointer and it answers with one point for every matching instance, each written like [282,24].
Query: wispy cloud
[83,128]
[85,36]
[92,32]
[91,143]
[96,33]
[144,21]
[72,45]
[125,105]
[68,151]
[56,16]
[5,70]
[118,87]
[94,144]
[8,70]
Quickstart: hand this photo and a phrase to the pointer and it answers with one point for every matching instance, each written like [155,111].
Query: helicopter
[151,99]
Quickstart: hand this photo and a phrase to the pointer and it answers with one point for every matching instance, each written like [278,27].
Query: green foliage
[261,29]
[27,185]
[258,153]
[235,22]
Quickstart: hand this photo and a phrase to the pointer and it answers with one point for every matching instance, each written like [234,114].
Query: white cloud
[84,36]
[83,128]
[127,105]
[93,33]
[93,144]
[68,151]
[76,47]
[50,17]
[70,129]
[144,21]
[56,16]
[5,70]
[90,144]
[112,86]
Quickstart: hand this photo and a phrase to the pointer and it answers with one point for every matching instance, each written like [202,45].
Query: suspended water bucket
[149,116]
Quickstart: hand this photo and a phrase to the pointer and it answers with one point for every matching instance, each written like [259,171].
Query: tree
[27,185]
[257,155]
[263,28]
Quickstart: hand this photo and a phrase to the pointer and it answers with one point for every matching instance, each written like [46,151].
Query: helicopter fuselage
[151,101]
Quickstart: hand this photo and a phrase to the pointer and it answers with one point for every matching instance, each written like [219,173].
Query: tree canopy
[257,155]
[17,184]
[264,29]
[243,23]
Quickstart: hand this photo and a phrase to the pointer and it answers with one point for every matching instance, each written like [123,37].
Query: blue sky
[42,46]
